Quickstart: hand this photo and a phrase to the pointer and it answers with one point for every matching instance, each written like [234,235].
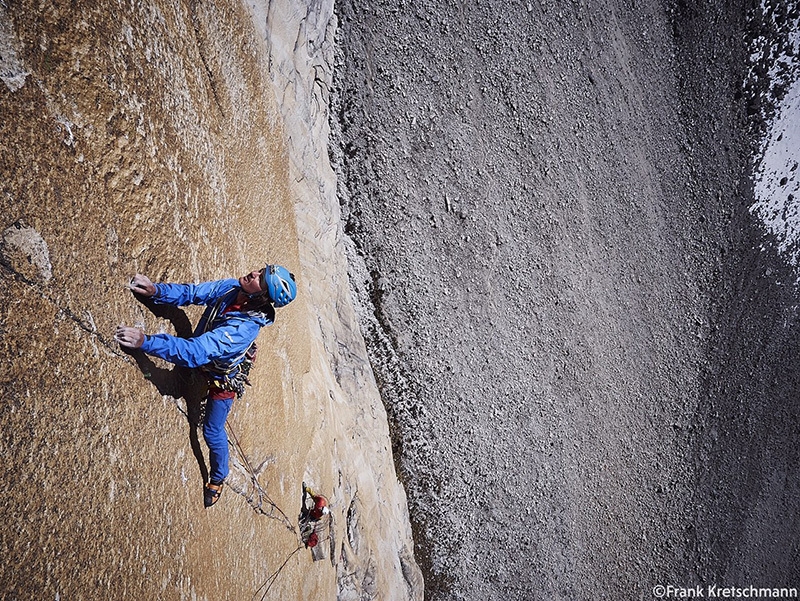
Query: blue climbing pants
[217,440]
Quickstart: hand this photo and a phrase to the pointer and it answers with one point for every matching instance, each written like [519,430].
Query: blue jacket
[229,336]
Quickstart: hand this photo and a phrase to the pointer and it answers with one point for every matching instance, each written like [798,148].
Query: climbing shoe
[211,493]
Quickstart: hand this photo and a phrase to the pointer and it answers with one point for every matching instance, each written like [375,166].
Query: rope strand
[262,494]
[65,310]
[274,576]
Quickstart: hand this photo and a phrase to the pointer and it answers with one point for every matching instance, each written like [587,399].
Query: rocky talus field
[586,344]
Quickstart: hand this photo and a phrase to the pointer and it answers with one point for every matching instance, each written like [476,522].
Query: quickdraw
[234,378]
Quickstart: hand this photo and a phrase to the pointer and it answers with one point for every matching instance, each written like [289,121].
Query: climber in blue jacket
[222,347]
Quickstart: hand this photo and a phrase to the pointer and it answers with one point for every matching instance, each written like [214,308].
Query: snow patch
[777,187]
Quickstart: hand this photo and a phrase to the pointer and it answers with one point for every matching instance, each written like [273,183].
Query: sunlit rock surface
[186,141]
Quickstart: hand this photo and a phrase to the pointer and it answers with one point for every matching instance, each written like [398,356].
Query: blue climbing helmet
[279,284]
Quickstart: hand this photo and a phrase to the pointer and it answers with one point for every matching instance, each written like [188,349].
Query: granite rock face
[188,142]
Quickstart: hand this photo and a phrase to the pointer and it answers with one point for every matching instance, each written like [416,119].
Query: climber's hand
[141,285]
[129,337]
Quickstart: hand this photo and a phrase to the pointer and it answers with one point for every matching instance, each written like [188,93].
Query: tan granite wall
[147,137]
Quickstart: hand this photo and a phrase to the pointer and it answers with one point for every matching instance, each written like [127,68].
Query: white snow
[777,185]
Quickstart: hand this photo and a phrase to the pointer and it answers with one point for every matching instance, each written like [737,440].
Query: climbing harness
[231,375]
[235,377]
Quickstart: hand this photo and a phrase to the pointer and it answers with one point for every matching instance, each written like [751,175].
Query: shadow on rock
[175,381]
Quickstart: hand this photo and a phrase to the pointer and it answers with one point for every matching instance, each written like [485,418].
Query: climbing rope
[274,576]
[85,324]
[258,504]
